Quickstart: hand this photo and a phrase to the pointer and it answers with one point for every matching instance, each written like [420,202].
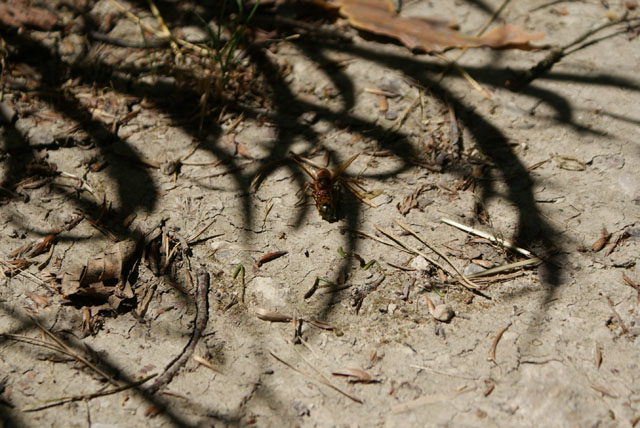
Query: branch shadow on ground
[532,231]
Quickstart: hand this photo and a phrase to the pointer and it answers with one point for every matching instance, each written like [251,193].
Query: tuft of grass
[222,52]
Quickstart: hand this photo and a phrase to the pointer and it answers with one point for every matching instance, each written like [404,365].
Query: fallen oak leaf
[424,34]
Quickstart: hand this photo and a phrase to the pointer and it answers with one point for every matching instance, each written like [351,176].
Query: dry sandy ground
[547,167]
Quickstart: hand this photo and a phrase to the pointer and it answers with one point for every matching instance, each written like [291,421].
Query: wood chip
[266,315]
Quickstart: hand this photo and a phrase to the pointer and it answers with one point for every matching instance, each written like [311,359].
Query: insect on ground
[325,187]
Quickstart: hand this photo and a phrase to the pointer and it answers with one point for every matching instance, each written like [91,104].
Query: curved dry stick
[202,317]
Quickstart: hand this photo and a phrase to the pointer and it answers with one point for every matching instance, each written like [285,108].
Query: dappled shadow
[136,190]
[26,325]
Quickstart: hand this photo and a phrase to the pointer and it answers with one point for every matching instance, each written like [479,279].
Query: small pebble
[443,313]
[7,113]
[309,117]
[473,268]
[392,308]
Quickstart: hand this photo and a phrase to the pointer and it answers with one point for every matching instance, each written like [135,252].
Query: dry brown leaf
[424,34]
[89,280]
[110,264]
[40,301]
[407,205]
[70,283]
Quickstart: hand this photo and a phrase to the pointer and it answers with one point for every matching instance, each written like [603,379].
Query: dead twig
[202,317]
[367,235]
[630,282]
[511,266]
[488,236]
[36,342]
[194,238]
[556,54]
[269,257]
[494,345]
[240,271]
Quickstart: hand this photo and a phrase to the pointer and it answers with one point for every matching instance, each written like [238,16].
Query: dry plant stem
[488,236]
[193,239]
[624,328]
[202,317]
[463,279]
[198,49]
[321,379]
[510,266]
[494,345]
[630,282]
[550,3]
[474,84]
[409,249]
[367,235]
[589,33]
[490,21]
[165,29]
[358,195]
[557,53]
[56,402]
[29,276]
[36,342]
[73,353]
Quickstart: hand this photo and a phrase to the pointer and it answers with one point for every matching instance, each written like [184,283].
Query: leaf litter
[425,34]
[104,276]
